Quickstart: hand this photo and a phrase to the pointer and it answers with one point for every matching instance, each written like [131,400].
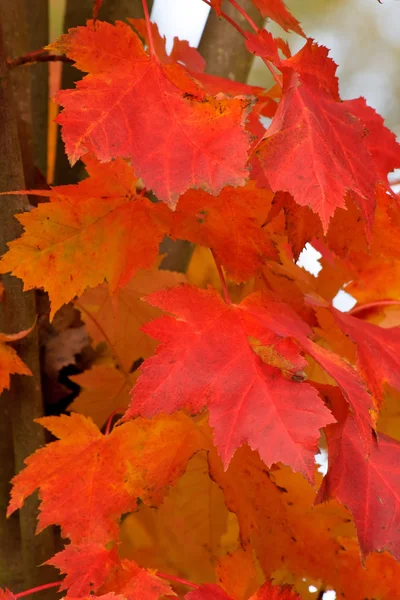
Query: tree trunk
[77,13]
[222,46]
[37,15]
[19,406]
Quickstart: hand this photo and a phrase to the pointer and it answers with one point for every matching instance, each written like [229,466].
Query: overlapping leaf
[87,480]
[237,574]
[315,148]
[104,389]
[378,352]
[116,320]
[201,143]
[381,142]
[188,532]
[230,224]
[369,488]
[137,583]
[10,362]
[86,567]
[266,592]
[277,11]
[181,50]
[292,539]
[206,360]
[95,230]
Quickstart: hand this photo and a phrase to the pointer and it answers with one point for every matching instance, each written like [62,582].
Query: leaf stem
[110,418]
[222,278]
[96,8]
[243,33]
[148,27]
[177,579]
[274,74]
[377,304]
[245,15]
[228,18]
[37,56]
[39,588]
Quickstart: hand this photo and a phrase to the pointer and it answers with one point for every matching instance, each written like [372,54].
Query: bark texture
[223,47]
[21,551]
[37,15]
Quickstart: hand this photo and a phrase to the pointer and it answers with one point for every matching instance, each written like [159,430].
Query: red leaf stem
[228,18]
[177,579]
[149,31]
[39,588]
[222,278]
[245,15]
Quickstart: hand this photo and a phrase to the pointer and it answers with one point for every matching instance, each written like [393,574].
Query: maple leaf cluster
[212,463]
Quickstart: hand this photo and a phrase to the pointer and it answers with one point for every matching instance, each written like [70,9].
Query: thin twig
[177,579]
[36,57]
[222,278]
[378,304]
[39,588]
[245,15]
[148,27]
[227,18]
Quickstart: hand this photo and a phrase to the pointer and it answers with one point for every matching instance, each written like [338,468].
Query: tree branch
[38,56]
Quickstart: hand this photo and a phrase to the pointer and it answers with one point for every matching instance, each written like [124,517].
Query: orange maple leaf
[10,362]
[95,230]
[87,480]
[104,389]
[231,224]
[116,320]
[137,583]
[87,567]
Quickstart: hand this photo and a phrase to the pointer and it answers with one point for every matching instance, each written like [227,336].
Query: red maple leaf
[205,359]
[283,321]
[369,487]
[378,352]
[277,11]
[6,595]
[314,147]
[137,583]
[196,140]
[382,143]
[263,44]
[181,49]
[231,224]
